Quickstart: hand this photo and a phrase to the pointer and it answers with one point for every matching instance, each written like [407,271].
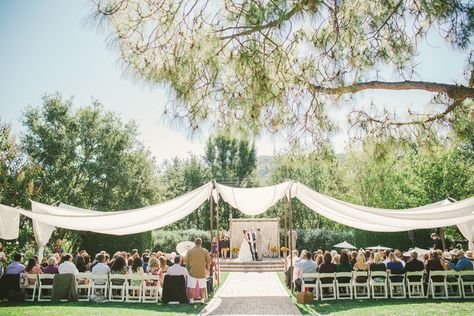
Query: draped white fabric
[385,219]
[9,222]
[253,201]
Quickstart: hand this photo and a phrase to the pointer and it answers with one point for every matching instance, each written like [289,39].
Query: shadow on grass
[386,307]
[125,307]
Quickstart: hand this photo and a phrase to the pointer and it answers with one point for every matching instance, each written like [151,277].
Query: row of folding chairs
[115,287]
[380,284]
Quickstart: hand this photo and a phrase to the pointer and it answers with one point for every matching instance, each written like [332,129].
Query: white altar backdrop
[269,227]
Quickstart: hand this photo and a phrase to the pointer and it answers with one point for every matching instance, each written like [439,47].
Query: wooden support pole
[218,239]
[291,241]
[285,232]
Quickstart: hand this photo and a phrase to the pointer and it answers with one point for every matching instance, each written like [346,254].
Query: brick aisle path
[251,293]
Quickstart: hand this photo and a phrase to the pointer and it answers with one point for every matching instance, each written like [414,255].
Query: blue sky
[47,46]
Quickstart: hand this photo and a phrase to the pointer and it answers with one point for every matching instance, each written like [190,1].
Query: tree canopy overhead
[260,64]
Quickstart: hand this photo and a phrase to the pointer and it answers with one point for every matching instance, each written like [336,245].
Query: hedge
[166,240]
[94,243]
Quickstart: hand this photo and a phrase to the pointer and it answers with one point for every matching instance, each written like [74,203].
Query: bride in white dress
[245,254]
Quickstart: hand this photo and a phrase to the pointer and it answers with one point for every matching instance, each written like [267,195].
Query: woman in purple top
[52,267]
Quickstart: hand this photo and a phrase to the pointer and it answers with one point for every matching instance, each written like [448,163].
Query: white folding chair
[134,288]
[432,285]
[361,290]
[453,283]
[467,284]
[99,284]
[378,284]
[151,288]
[45,290]
[330,286]
[117,287]
[31,287]
[397,286]
[415,284]
[83,284]
[314,286]
[344,283]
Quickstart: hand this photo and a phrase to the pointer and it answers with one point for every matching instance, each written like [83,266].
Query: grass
[384,307]
[104,309]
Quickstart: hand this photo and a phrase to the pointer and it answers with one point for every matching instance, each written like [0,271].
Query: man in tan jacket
[197,261]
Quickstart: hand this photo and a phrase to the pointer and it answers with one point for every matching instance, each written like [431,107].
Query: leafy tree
[275,64]
[320,170]
[91,159]
[17,185]
[179,176]
[233,162]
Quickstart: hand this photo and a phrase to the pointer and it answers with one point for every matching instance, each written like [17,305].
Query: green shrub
[166,240]
[313,239]
[93,242]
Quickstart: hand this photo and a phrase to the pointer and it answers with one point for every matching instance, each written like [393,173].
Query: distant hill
[264,164]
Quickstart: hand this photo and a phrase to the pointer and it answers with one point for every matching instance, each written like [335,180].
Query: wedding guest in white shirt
[101,268]
[177,268]
[67,266]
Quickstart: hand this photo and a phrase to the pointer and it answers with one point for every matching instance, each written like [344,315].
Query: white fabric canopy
[9,222]
[253,201]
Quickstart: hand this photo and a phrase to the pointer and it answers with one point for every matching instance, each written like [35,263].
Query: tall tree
[233,162]
[89,158]
[276,64]
[17,184]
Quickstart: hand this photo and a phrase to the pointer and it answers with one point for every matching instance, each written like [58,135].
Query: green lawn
[104,309]
[385,307]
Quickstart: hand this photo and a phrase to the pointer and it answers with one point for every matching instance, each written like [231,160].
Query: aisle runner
[251,293]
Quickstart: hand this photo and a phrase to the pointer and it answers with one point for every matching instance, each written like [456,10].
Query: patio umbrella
[379,248]
[421,252]
[183,247]
[345,245]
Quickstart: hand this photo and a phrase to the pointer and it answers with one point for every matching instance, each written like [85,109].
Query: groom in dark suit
[252,237]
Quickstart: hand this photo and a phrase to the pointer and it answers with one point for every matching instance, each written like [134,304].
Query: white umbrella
[421,252]
[345,245]
[183,247]
[378,248]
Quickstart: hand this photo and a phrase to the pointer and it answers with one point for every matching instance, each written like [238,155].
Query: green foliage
[325,238]
[94,243]
[88,158]
[165,240]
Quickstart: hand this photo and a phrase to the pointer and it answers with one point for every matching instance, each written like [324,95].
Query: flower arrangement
[284,249]
[234,249]
[275,249]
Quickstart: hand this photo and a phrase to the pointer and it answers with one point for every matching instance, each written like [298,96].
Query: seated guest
[327,267]
[44,263]
[177,268]
[137,270]
[344,266]
[399,256]
[377,264]
[305,266]
[67,266]
[336,258]
[413,265]
[394,267]
[51,268]
[101,268]
[154,269]
[119,266]
[145,259]
[435,264]
[15,267]
[353,258]
[87,261]
[319,260]
[80,264]
[370,259]
[464,264]
[33,268]
[361,265]
[387,253]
